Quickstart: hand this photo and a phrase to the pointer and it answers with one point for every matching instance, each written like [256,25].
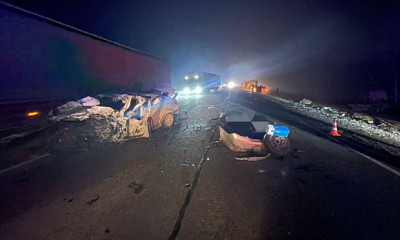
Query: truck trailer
[196,83]
[44,62]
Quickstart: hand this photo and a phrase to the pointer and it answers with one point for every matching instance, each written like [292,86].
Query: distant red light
[265,90]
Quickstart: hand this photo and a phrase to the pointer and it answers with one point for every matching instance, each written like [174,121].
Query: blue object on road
[280,131]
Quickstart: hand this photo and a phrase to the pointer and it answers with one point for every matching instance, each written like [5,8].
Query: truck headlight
[186,77]
[198,89]
[196,76]
[231,85]
[186,90]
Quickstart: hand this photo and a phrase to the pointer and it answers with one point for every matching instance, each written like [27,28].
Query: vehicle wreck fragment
[275,140]
[253,159]
[119,117]
[238,143]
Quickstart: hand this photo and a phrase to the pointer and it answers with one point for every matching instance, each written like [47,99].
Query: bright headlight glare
[186,90]
[198,89]
[186,77]
[196,76]
[231,85]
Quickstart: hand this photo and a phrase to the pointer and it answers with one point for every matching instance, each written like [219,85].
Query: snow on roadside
[358,123]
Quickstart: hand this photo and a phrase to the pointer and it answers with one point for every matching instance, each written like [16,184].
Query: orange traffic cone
[334,131]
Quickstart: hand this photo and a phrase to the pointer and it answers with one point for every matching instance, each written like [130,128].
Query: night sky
[298,46]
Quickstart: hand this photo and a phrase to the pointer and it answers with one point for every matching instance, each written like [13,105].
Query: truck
[196,83]
[45,62]
[253,86]
[250,85]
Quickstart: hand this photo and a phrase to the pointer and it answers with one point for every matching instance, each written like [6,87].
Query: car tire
[278,145]
[168,121]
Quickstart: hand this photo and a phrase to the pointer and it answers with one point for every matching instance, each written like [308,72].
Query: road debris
[238,143]
[252,159]
[186,185]
[327,109]
[306,102]
[261,171]
[138,188]
[363,117]
[280,131]
[277,144]
[188,164]
[90,203]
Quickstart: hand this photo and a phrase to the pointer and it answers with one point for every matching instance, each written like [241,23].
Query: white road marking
[24,163]
[390,169]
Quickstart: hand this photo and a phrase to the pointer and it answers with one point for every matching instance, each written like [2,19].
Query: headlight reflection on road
[198,89]
[186,90]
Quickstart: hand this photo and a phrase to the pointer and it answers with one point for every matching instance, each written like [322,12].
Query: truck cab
[196,83]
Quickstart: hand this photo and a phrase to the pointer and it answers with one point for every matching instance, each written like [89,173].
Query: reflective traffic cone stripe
[334,131]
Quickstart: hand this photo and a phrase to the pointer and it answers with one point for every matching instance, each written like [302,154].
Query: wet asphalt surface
[182,184]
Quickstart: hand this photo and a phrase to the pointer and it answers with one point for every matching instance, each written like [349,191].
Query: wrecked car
[116,116]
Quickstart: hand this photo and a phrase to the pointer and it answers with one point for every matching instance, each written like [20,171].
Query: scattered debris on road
[252,159]
[237,143]
[188,164]
[277,144]
[306,102]
[280,131]
[90,202]
[138,188]
[363,117]
[327,109]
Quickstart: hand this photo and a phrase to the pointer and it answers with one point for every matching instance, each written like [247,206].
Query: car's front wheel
[168,121]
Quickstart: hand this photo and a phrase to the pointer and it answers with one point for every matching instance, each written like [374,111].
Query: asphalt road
[182,184]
